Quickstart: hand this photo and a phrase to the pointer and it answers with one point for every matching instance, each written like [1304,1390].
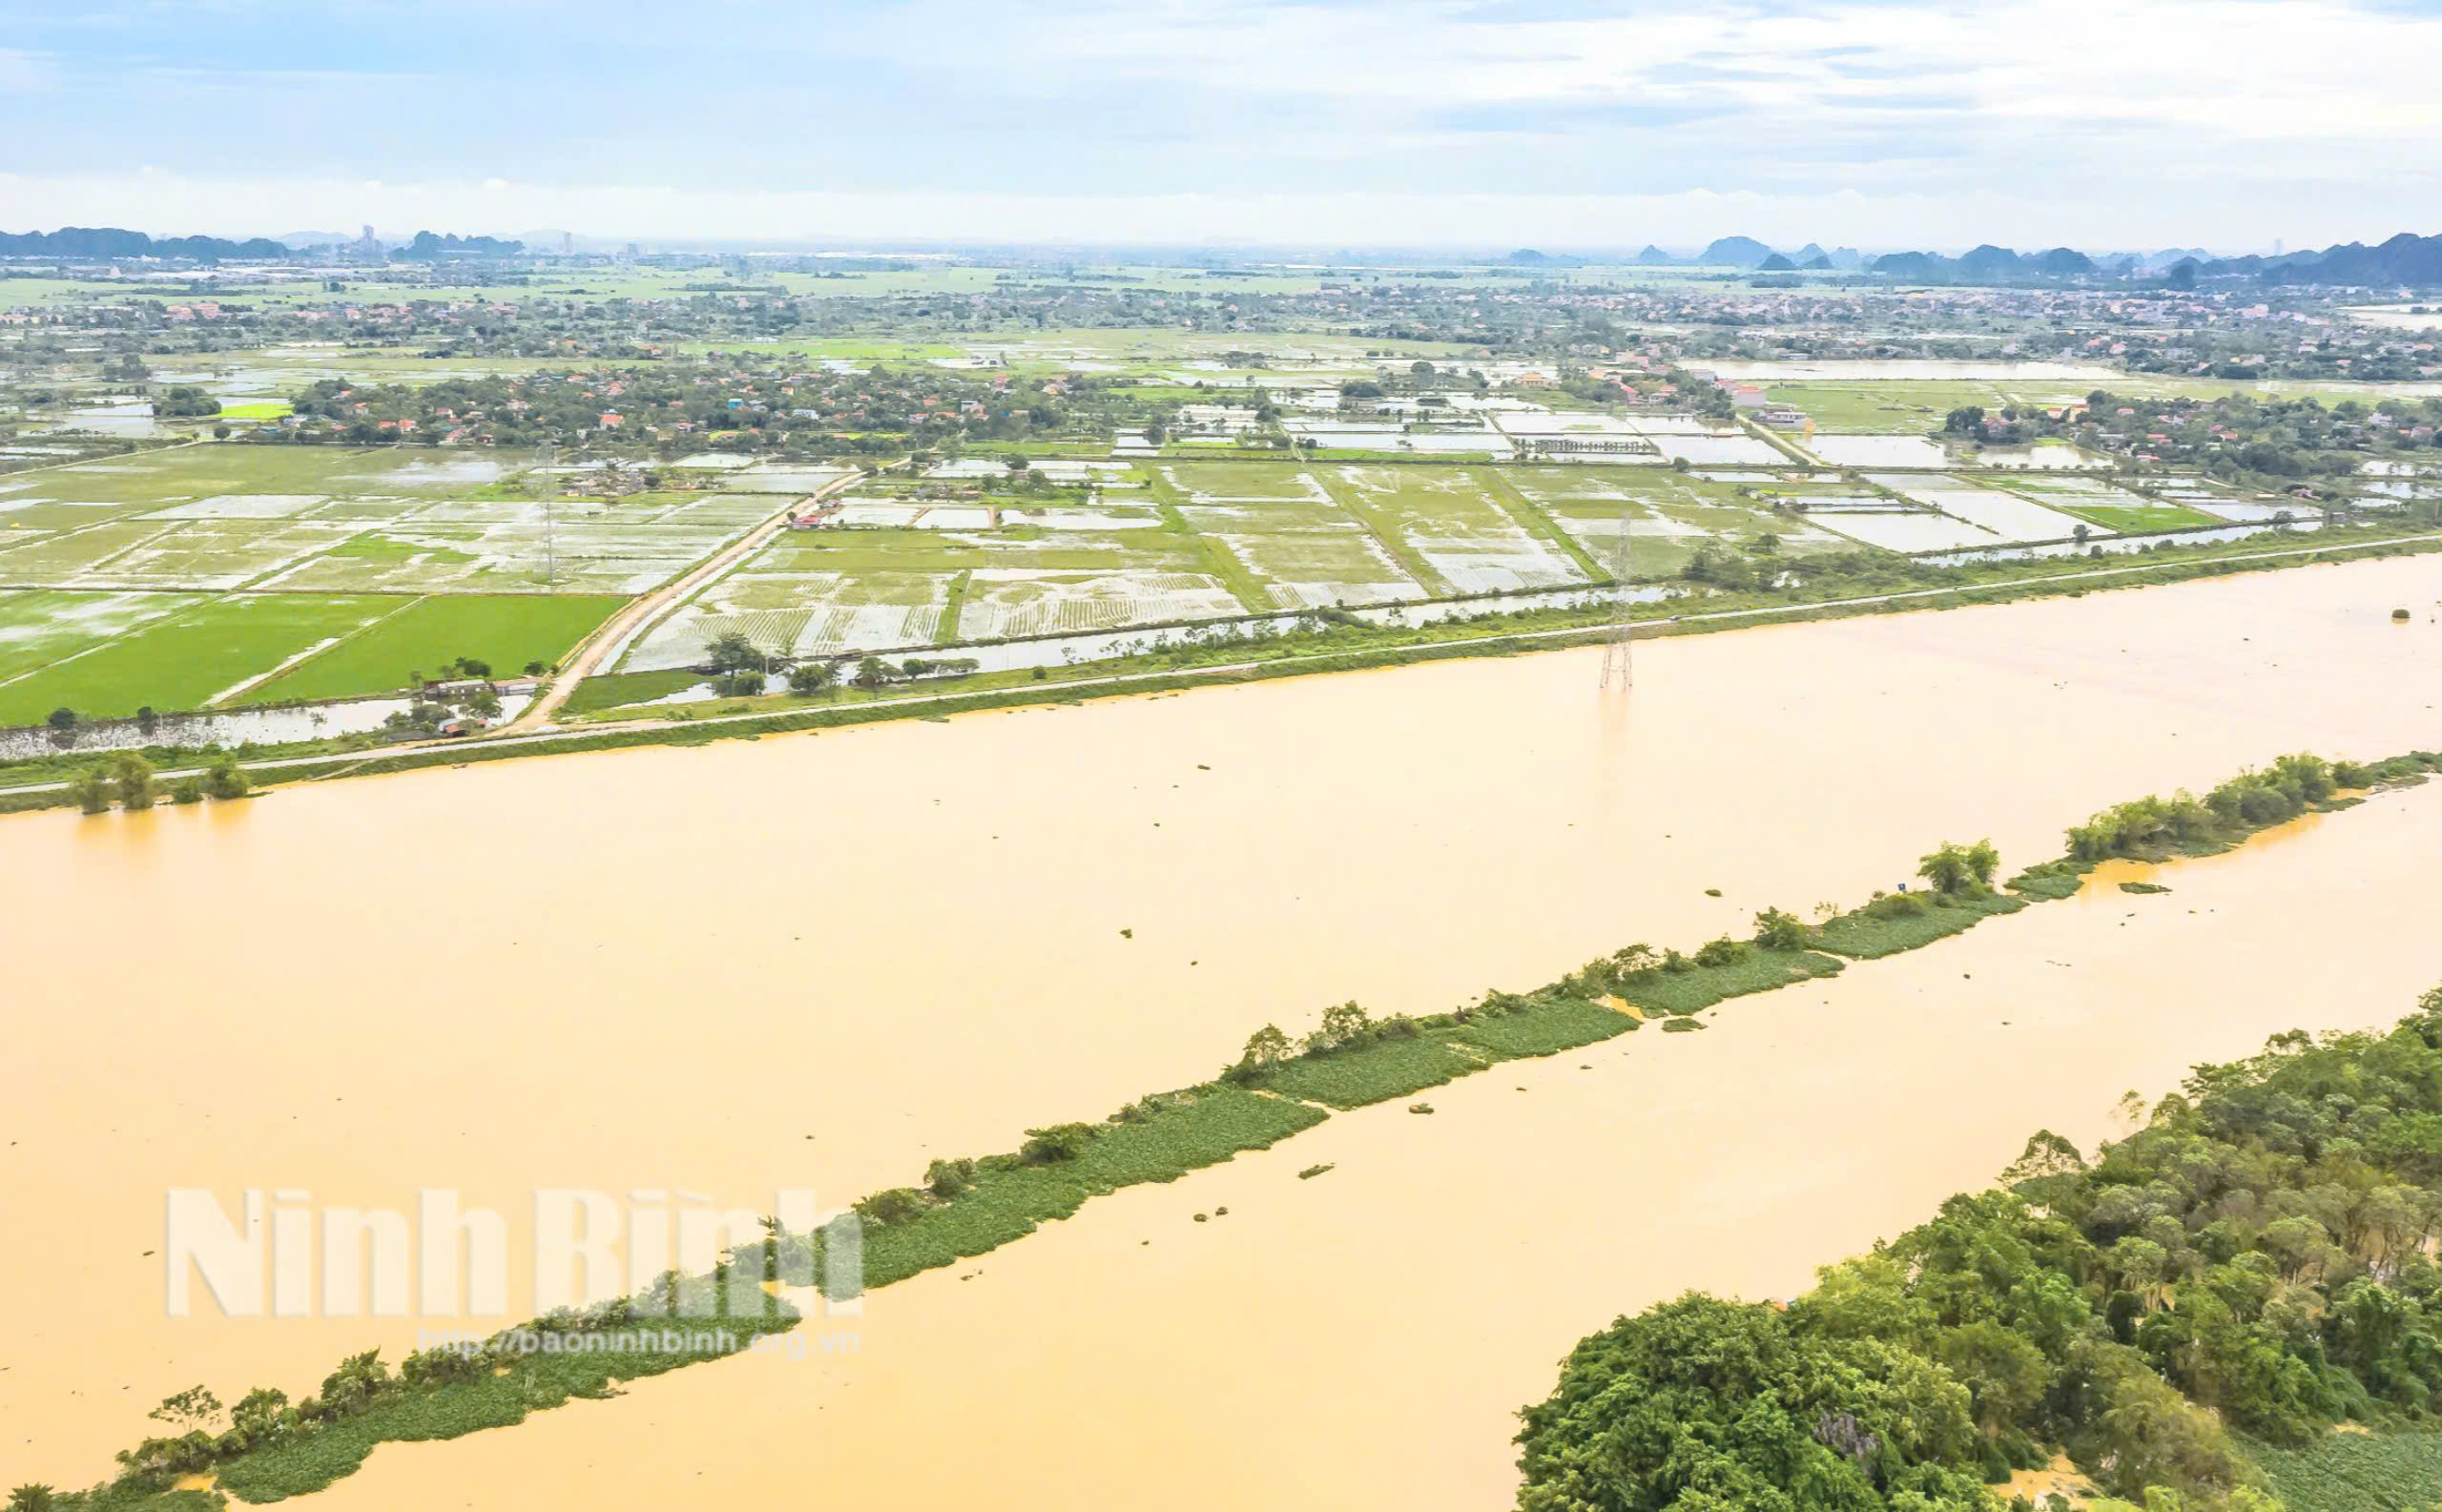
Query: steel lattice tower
[1619,652]
[547,462]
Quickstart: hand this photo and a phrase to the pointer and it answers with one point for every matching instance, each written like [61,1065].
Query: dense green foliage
[2151,828]
[1898,921]
[2355,1472]
[2253,1261]
[267,1448]
[986,1203]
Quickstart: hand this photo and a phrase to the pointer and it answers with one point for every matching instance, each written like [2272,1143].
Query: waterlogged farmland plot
[811,593]
[40,628]
[798,614]
[479,546]
[2004,514]
[1670,516]
[1286,529]
[151,480]
[1019,601]
[213,553]
[1878,451]
[2114,509]
[1446,518]
[770,479]
[243,507]
[1039,581]
[1906,529]
[843,589]
[62,558]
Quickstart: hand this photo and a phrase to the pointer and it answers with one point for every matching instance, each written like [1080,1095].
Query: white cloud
[1442,120]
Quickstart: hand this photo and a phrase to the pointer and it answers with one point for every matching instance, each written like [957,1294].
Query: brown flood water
[1361,1339]
[824,959]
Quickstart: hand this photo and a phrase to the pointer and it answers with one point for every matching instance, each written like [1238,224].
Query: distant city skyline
[2223,123]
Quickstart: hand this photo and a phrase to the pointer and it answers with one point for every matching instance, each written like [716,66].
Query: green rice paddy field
[186,660]
[106,655]
[508,632]
[2130,518]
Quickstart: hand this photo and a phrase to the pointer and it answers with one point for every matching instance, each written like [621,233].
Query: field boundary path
[613,633]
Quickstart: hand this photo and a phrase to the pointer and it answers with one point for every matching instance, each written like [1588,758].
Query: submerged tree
[132,776]
[224,779]
[92,791]
[191,1408]
[1778,929]
[732,652]
[1956,869]
[1266,1047]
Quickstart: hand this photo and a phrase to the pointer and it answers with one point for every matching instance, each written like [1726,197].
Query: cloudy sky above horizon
[1880,123]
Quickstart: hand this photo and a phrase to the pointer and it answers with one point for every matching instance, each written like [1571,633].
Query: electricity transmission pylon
[546,462]
[1619,652]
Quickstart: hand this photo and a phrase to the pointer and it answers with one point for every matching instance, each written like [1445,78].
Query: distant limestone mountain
[1737,252]
[1989,262]
[1528,257]
[1912,265]
[429,248]
[91,245]
[1848,258]
[1821,263]
[1985,264]
[1776,263]
[1653,257]
[2157,261]
[1807,254]
[2405,258]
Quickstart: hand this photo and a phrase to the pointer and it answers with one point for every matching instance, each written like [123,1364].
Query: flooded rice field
[824,959]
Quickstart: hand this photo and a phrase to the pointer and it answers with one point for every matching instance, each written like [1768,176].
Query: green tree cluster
[2253,1261]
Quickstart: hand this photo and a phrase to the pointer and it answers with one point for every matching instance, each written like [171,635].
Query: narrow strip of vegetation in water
[266,1448]
[1277,1088]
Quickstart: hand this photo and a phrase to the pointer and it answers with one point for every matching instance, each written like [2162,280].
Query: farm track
[613,633]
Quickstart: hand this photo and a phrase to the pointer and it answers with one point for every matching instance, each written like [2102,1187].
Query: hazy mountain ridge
[107,241]
[2404,258]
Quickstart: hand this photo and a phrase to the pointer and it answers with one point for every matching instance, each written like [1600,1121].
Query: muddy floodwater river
[824,959]
[1361,1339]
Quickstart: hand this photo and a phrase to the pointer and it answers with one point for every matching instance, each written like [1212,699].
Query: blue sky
[1877,122]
